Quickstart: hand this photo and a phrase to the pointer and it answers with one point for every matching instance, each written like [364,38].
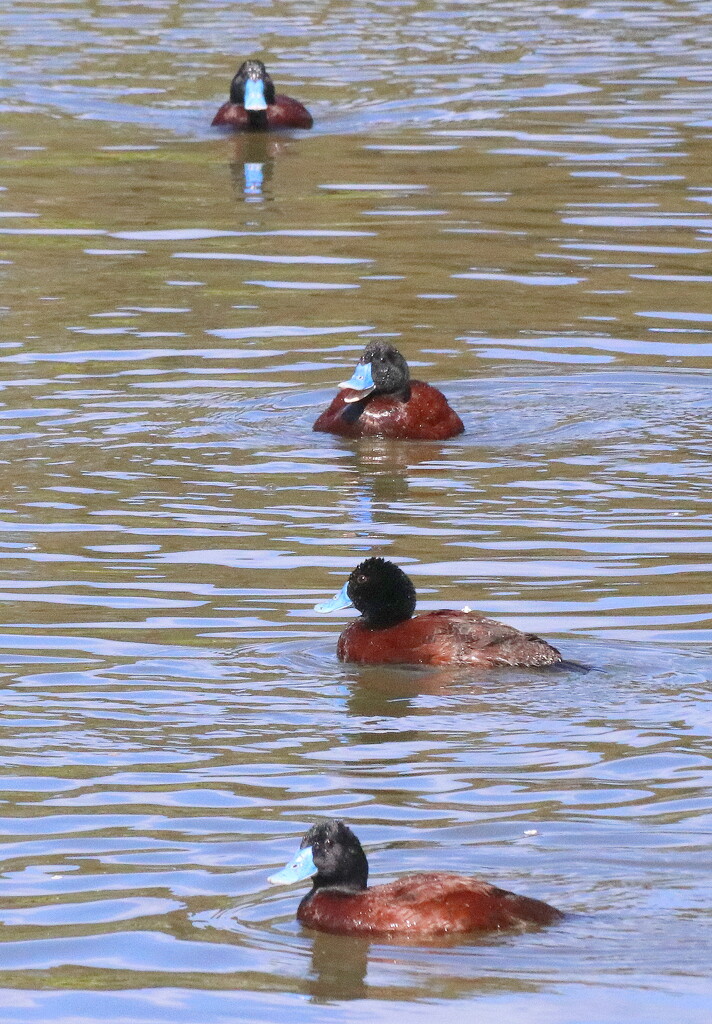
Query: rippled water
[519,195]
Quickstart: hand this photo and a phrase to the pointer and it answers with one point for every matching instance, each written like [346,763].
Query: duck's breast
[426,416]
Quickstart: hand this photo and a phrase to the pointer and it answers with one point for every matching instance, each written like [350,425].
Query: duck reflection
[383,473]
[385,691]
[338,968]
[252,165]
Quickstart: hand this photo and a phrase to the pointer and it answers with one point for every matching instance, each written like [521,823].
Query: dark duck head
[381,370]
[252,87]
[331,855]
[380,590]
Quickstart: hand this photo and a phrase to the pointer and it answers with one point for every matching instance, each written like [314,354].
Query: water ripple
[174,712]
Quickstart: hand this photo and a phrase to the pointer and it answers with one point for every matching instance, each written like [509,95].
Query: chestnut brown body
[444,638]
[283,113]
[424,416]
[432,903]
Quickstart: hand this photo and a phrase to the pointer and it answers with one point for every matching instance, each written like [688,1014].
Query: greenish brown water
[519,196]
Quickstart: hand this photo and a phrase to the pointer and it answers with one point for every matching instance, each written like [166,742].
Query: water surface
[518,197]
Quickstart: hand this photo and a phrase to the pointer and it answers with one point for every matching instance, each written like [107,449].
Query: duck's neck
[386,617]
[257,120]
[404,393]
[350,888]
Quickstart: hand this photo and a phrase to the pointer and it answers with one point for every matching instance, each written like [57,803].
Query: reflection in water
[338,967]
[351,967]
[252,164]
[382,480]
[386,691]
[254,180]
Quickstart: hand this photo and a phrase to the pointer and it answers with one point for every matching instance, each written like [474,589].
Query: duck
[422,905]
[381,400]
[389,633]
[254,105]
